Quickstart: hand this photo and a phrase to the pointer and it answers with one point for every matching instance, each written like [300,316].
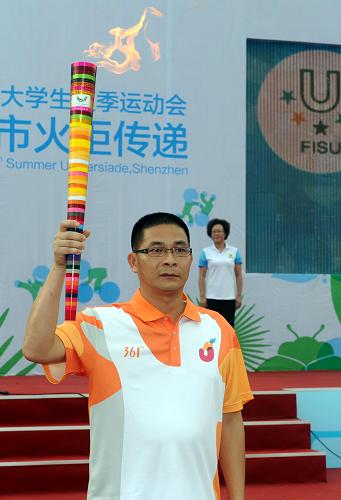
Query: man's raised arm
[41,345]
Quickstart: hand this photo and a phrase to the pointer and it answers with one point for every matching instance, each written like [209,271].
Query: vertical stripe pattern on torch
[82,95]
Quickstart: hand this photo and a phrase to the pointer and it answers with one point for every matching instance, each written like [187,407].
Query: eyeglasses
[162,251]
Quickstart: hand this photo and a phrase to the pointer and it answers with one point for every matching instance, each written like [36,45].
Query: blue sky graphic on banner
[293,166]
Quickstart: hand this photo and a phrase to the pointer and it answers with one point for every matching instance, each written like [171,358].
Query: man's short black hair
[155,219]
[222,222]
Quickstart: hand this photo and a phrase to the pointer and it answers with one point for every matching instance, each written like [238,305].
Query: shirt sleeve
[238,258]
[202,259]
[237,388]
[85,348]
[232,369]
[76,350]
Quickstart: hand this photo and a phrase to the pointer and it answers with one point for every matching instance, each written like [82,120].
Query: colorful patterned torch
[83,80]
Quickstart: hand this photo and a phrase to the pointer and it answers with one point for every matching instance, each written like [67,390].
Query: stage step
[73,408]
[44,409]
[37,441]
[264,434]
[299,466]
[47,495]
[55,440]
[45,442]
[268,405]
[71,474]
[44,475]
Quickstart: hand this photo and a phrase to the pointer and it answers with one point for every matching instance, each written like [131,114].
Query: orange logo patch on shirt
[206,353]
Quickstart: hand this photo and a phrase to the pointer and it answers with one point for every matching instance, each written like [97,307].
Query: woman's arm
[239,284]
[202,286]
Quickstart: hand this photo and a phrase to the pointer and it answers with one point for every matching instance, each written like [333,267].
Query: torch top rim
[83,63]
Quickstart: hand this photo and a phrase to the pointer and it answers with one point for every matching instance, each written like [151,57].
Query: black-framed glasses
[162,251]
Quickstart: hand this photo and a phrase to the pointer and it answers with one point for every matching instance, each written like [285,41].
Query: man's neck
[170,303]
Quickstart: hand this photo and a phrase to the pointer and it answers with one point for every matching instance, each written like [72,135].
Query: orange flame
[124,43]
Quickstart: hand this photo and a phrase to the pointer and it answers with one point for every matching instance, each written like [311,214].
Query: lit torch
[83,80]
[124,43]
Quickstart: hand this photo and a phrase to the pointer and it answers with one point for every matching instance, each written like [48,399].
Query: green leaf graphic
[15,358]
[250,336]
[3,316]
[335,286]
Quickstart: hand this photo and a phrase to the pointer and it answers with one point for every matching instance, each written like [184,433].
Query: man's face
[166,273]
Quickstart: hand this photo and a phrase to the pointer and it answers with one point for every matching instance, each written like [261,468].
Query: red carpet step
[271,405]
[43,409]
[278,435]
[63,440]
[39,442]
[297,466]
[33,476]
[45,443]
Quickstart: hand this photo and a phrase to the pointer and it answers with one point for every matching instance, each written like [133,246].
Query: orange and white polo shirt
[157,393]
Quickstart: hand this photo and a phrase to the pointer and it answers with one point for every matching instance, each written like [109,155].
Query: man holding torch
[167,380]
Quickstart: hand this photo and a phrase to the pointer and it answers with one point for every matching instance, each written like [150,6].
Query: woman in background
[220,272]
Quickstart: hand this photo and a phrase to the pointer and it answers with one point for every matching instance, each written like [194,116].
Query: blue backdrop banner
[293,159]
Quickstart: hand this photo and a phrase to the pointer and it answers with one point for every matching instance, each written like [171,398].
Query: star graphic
[298,118]
[338,120]
[287,96]
[320,128]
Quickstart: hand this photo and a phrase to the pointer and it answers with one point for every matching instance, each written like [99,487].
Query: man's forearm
[232,455]
[43,318]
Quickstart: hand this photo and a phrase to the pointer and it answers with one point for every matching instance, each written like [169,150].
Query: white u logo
[308,95]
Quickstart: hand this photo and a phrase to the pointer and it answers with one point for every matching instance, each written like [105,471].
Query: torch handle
[83,80]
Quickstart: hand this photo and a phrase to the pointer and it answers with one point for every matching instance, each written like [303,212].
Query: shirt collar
[147,312]
[215,248]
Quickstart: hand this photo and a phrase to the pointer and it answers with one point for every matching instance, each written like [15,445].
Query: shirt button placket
[174,346]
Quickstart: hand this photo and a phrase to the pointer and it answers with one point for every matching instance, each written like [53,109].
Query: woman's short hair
[222,222]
